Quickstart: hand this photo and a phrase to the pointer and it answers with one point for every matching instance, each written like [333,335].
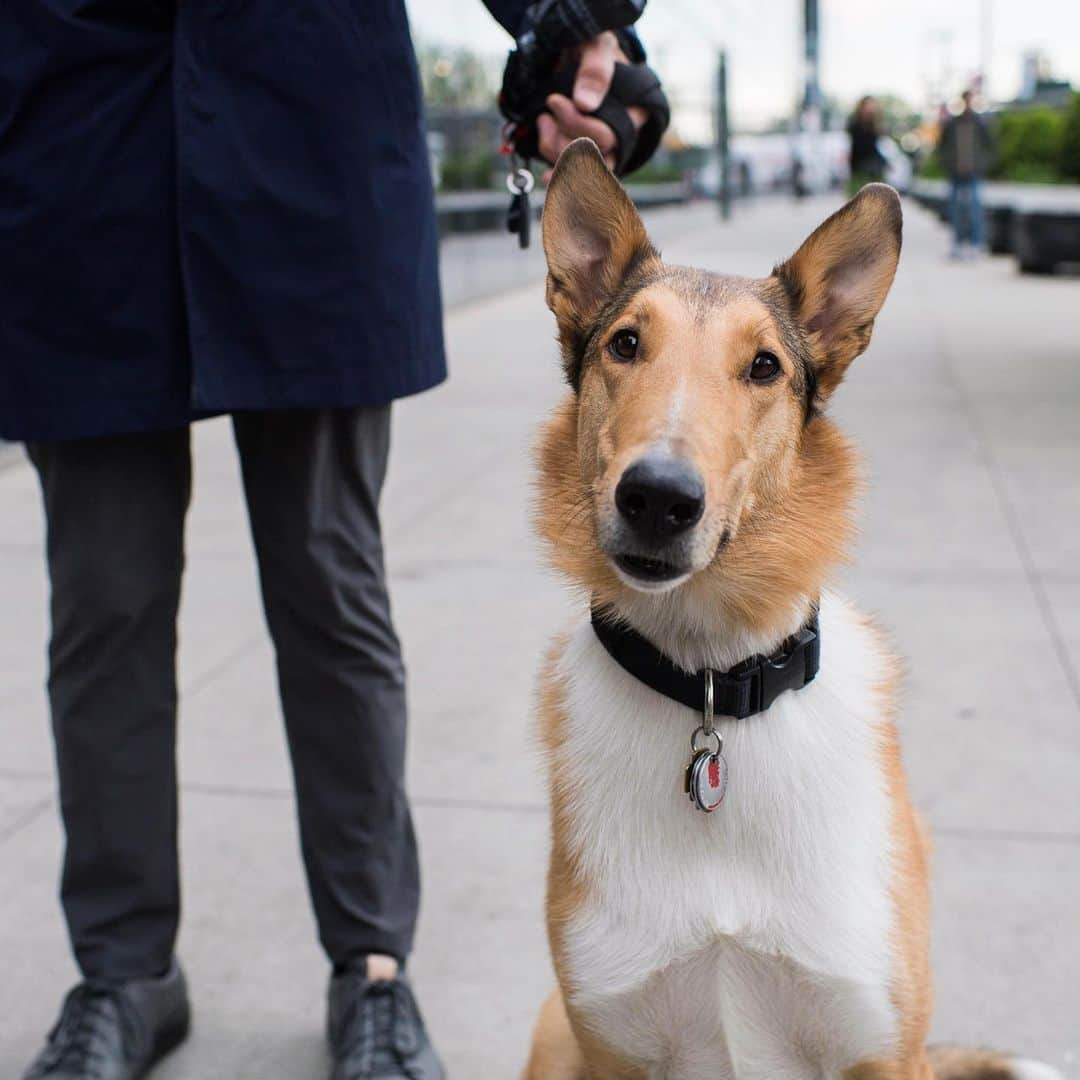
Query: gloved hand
[559,85]
[568,117]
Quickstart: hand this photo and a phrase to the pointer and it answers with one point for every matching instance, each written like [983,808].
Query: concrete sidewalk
[968,411]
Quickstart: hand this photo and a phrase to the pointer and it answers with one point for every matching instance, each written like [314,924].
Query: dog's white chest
[753,941]
[727,1012]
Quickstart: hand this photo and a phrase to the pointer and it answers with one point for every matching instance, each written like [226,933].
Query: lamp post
[722,149]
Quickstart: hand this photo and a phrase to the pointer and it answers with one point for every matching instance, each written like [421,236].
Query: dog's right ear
[593,238]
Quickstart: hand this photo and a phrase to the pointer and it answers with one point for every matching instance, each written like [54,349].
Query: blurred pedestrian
[207,209]
[965,151]
[865,158]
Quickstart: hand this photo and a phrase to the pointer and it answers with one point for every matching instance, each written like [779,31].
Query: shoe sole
[165,1045]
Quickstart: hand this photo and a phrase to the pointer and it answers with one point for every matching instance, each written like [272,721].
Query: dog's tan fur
[781,481]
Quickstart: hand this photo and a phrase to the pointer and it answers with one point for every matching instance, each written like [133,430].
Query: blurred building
[1038,87]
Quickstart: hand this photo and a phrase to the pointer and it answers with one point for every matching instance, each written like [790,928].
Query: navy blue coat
[232,211]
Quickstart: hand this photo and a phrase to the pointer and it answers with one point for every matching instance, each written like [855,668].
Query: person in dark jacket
[865,159]
[965,151]
[210,208]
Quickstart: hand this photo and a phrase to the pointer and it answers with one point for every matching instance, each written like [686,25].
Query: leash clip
[519,182]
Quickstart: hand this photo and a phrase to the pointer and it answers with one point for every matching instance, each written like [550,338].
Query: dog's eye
[765,367]
[624,345]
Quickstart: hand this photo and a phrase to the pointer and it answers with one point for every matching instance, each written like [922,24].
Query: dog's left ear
[593,237]
[838,280]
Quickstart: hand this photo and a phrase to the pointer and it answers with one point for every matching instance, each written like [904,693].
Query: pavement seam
[25,774]
[479,804]
[27,817]
[940,576]
[432,506]
[201,681]
[1023,836]
[274,793]
[435,803]
[1012,520]
[1031,572]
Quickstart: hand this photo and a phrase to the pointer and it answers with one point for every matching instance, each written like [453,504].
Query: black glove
[631,84]
[535,69]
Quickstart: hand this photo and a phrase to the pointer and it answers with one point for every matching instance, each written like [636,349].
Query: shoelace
[76,1042]
[381,1029]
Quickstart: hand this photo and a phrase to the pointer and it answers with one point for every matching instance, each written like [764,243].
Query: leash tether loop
[706,736]
[520,181]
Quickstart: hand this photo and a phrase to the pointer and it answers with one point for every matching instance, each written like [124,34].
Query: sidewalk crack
[27,817]
[1012,519]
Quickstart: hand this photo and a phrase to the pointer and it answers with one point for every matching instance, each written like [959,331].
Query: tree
[898,116]
[457,78]
[1030,145]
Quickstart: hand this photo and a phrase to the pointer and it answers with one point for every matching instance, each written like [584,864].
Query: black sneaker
[376,1031]
[115,1031]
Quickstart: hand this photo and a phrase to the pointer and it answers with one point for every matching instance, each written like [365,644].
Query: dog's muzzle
[659,499]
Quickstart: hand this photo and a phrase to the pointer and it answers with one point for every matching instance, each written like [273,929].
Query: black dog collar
[748,688]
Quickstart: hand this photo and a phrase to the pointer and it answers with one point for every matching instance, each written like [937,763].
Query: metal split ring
[520,182]
[706,735]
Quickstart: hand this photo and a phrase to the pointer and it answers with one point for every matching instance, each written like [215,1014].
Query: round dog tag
[708,781]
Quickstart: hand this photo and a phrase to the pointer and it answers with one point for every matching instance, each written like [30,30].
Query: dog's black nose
[660,497]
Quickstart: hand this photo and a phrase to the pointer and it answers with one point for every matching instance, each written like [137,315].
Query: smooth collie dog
[738,881]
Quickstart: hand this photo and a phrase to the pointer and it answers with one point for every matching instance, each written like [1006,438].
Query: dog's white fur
[757,936]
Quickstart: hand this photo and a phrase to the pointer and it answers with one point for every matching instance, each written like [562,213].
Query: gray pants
[115,508]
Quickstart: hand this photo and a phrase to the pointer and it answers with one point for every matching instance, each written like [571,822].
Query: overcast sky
[897,46]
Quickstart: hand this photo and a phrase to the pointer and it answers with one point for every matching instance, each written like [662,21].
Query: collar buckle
[791,669]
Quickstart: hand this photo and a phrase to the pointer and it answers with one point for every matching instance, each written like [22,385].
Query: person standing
[965,152]
[212,208]
[865,159]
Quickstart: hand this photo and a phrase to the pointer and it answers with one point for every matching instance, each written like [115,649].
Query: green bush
[930,168]
[1070,141]
[1032,172]
[654,173]
[1030,145]
[467,172]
